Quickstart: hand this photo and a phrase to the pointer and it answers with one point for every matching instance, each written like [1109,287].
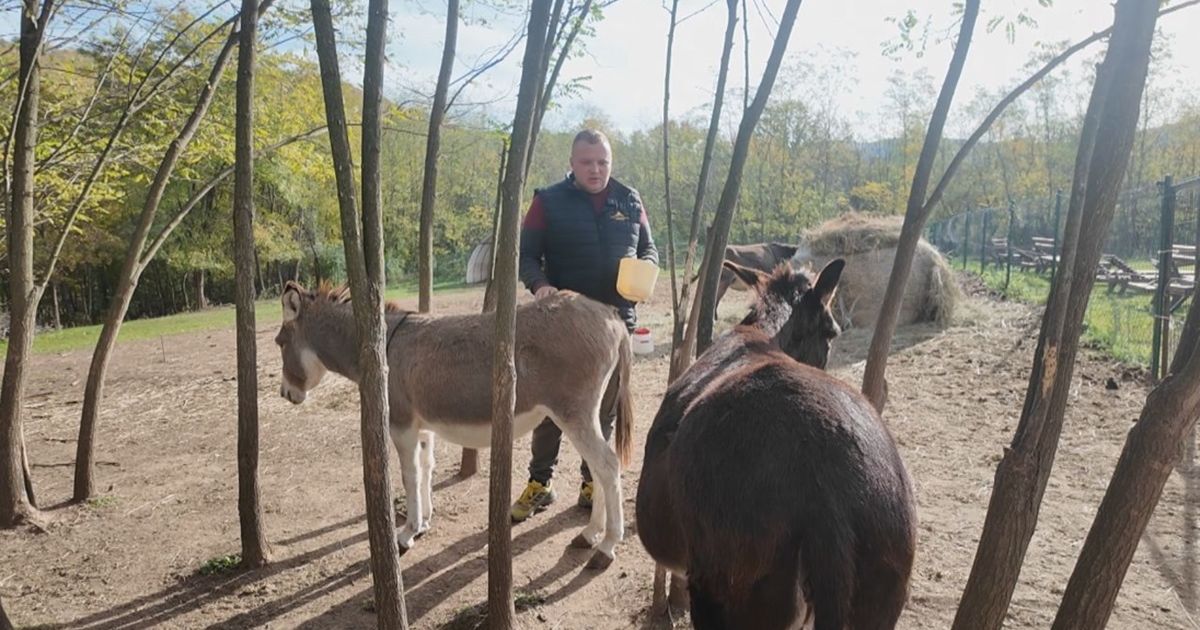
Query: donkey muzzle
[293,395]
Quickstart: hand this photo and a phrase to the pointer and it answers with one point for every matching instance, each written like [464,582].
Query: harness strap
[392,334]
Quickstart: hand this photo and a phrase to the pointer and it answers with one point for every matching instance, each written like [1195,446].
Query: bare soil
[131,558]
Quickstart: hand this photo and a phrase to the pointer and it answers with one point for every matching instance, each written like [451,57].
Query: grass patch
[221,564]
[1023,286]
[267,311]
[101,502]
[1119,325]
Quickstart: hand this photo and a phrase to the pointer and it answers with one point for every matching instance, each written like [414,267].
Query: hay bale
[853,233]
[868,243]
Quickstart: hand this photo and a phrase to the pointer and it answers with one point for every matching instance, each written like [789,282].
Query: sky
[626,58]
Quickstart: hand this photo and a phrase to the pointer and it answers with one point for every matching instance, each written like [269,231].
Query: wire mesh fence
[1132,315]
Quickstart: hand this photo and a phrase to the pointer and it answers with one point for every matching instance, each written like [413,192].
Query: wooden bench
[1123,277]
[1021,258]
[1044,248]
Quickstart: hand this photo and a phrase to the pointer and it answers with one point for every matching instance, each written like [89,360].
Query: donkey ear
[293,298]
[828,279]
[752,277]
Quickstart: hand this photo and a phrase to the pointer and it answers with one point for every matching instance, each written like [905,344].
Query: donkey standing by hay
[773,486]
[569,352]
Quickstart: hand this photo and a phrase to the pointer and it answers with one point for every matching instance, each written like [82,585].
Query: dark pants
[547,438]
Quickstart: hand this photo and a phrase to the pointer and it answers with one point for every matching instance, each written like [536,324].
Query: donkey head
[302,366]
[793,309]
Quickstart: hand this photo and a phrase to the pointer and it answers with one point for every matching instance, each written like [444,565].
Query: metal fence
[1131,314]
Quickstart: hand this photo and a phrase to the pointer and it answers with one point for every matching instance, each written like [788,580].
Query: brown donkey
[774,487]
[569,350]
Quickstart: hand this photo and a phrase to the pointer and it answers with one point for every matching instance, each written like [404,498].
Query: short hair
[591,136]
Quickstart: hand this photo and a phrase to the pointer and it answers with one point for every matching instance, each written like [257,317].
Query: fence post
[1057,217]
[966,240]
[1158,348]
[983,235]
[1012,220]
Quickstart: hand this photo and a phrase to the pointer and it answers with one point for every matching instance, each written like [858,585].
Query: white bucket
[643,343]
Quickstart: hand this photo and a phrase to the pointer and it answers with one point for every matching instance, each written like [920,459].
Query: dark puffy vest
[582,248]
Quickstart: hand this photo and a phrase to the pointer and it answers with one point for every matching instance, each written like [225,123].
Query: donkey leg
[608,502]
[427,444]
[407,444]
[588,441]
[613,501]
[678,599]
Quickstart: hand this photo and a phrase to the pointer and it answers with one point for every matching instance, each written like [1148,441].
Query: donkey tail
[828,561]
[624,403]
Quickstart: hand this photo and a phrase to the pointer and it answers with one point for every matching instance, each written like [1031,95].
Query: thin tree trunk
[676,314]
[1105,146]
[131,270]
[23,294]
[745,57]
[433,139]
[504,372]
[469,465]
[723,220]
[874,385]
[658,599]
[198,289]
[489,293]
[682,356]
[546,92]
[255,552]
[27,473]
[57,307]
[364,265]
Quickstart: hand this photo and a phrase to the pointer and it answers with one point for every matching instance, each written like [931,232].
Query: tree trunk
[255,552]
[5,624]
[676,314]
[504,373]
[470,457]
[57,307]
[1104,149]
[723,220]
[682,356]
[1151,452]
[658,600]
[874,385]
[546,91]
[131,270]
[432,145]
[198,289]
[365,266]
[23,294]
[489,293]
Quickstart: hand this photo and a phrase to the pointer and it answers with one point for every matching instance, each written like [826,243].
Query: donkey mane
[326,291]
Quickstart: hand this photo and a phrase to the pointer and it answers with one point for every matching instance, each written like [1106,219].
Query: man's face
[591,164]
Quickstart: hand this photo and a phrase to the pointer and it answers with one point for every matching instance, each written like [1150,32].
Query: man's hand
[545,291]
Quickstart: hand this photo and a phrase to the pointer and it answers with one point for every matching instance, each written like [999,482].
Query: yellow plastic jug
[636,278]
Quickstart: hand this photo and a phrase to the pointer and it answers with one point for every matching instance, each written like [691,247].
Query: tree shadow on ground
[194,592]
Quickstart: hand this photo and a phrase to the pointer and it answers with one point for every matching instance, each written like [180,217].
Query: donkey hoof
[581,542]
[599,561]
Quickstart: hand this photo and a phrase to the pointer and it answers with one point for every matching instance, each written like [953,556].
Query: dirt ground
[131,558]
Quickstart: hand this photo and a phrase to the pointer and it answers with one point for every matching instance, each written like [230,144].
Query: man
[574,236]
